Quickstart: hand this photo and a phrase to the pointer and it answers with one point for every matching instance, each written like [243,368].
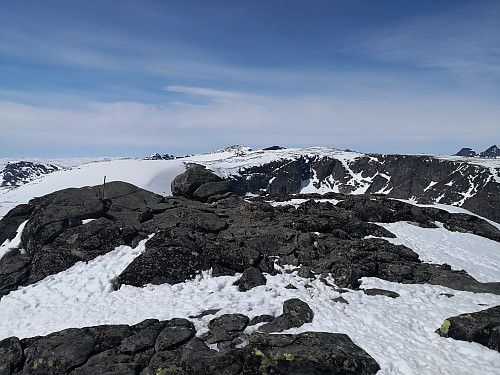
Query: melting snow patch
[14,243]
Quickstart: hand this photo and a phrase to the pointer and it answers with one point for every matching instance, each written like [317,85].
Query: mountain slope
[469,183]
[317,238]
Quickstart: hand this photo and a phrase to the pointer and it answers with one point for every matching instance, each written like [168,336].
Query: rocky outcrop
[307,353]
[21,172]
[424,178]
[250,278]
[159,347]
[295,314]
[72,225]
[228,236]
[201,184]
[482,327]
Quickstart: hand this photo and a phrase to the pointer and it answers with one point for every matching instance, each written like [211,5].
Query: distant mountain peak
[466,151]
[491,152]
[157,156]
[237,149]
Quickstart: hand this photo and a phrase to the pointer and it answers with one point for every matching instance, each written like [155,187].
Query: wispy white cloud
[465,41]
[206,92]
[363,123]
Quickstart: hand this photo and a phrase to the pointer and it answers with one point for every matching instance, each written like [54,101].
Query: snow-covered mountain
[22,172]
[72,259]
[471,183]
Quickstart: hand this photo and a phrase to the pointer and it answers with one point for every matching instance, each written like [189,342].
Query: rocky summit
[206,226]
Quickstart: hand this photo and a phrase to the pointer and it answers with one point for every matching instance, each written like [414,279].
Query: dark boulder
[59,352]
[482,327]
[380,292]
[176,333]
[295,314]
[250,278]
[14,271]
[12,220]
[56,212]
[55,236]
[145,337]
[226,327]
[212,189]
[11,356]
[192,179]
[306,353]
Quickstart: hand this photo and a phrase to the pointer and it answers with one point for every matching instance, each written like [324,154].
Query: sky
[130,78]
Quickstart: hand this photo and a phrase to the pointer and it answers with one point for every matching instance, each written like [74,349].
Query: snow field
[398,333]
[477,255]
[152,175]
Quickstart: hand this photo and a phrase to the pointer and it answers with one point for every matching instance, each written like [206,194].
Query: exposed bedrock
[482,327]
[228,236]
[154,347]
[425,178]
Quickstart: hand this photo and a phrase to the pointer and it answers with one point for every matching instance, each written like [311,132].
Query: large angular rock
[191,180]
[250,278]
[307,353]
[212,189]
[176,333]
[59,352]
[226,327]
[482,327]
[295,314]
[145,337]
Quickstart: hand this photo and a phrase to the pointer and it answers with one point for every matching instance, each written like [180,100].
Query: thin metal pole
[103,187]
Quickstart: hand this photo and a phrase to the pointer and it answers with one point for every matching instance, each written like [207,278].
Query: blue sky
[129,78]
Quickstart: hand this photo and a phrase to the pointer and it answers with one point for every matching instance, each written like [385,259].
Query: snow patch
[477,255]
[15,243]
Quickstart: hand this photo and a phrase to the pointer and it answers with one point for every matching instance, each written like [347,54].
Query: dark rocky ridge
[425,178]
[21,172]
[155,347]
